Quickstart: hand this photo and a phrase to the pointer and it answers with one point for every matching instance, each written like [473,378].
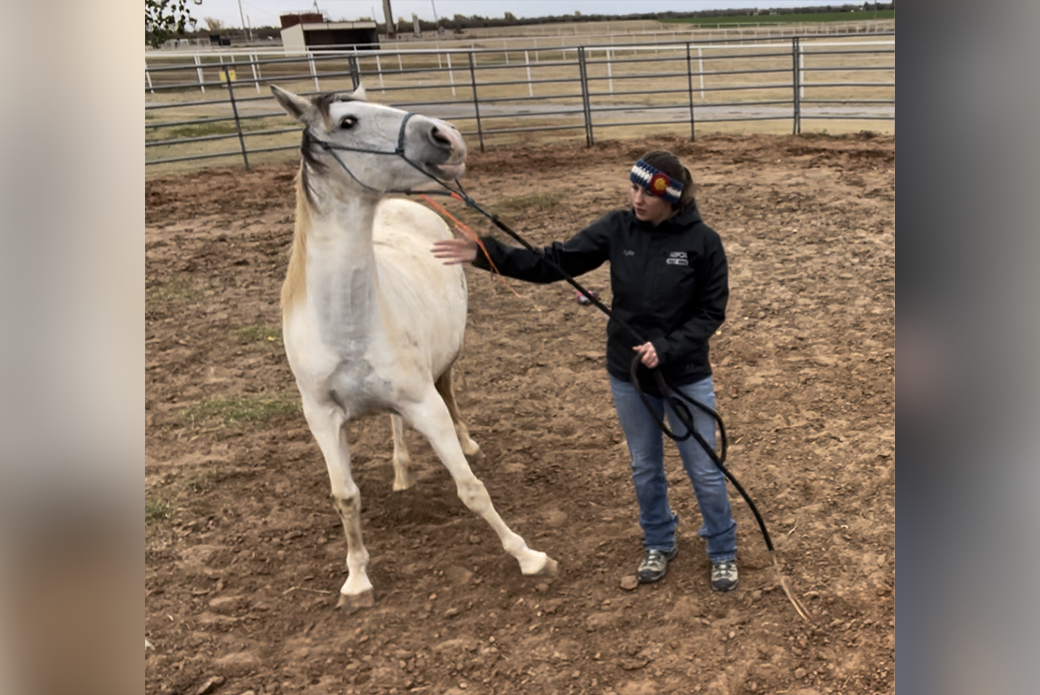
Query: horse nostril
[439,138]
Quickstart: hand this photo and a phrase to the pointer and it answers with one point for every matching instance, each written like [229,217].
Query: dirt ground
[245,554]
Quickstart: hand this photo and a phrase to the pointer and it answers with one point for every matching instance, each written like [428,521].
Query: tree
[213,24]
[165,18]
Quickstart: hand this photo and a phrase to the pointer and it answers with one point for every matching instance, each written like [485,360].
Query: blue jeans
[645,444]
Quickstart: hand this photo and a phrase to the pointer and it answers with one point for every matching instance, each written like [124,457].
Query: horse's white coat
[371,321]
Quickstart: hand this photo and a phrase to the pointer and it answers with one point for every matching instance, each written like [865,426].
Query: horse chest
[357,388]
[360,374]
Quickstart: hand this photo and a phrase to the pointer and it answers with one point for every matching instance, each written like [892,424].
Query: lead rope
[668,390]
[675,399]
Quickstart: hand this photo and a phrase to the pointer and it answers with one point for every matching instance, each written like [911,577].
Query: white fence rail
[194,101]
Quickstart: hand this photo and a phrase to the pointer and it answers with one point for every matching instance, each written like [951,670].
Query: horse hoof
[404,484]
[549,569]
[354,602]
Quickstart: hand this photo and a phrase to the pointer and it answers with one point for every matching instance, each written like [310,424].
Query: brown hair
[670,164]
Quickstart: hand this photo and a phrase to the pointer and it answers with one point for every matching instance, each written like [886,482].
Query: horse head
[372,147]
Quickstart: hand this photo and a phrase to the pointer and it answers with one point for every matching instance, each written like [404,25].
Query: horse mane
[294,289]
[323,101]
[309,163]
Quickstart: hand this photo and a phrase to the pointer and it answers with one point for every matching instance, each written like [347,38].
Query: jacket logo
[677,258]
[628,252]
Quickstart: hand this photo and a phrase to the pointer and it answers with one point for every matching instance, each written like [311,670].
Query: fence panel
[197,105]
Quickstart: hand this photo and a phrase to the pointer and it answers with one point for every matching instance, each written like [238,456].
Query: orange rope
[472,236]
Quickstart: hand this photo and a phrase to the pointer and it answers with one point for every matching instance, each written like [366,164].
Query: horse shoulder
[404,223]
[423,302]
[403,236]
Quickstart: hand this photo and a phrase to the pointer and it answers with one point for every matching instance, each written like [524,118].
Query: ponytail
[686,199]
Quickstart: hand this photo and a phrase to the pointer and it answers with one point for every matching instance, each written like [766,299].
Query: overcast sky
[265,12]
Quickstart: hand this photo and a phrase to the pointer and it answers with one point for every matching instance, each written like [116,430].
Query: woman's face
[650,208]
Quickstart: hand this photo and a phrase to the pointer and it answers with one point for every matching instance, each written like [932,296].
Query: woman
[669,281]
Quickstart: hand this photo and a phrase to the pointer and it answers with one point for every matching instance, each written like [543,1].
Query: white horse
[371,321]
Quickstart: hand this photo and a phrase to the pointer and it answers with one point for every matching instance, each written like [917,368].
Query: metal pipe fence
[195,104]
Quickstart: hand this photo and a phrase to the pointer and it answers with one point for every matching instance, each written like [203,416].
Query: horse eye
[347,122]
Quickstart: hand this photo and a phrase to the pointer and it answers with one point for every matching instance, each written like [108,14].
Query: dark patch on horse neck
[349,306]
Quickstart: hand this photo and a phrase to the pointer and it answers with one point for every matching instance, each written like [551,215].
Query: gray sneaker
[724,576]
[655,564]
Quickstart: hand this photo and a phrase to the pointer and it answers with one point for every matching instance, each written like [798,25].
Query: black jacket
[669,283]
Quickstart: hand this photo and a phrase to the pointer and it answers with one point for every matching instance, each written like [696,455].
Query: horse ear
[359,94]
[300,109]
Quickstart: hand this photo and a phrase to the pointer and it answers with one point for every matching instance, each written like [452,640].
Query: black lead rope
[686,418]
[673,395]
[668,391]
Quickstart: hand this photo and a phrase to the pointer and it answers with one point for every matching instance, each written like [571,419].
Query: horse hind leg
[403,478]
[431,417]
[444,388]
[328,425]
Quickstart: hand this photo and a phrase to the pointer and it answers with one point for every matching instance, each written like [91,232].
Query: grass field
[792,18]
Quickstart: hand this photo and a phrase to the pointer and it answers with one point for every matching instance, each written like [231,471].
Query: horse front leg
[430,416]
[328,424]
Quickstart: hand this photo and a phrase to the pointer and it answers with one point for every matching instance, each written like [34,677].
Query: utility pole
[436,21]
[243,17]
[388,17]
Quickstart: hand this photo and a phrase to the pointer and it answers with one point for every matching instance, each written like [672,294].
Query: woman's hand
[455,251]
[647,354]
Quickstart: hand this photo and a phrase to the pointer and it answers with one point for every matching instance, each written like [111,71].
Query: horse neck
[332,265]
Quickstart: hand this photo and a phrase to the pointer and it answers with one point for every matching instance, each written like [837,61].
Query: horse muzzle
[446,140]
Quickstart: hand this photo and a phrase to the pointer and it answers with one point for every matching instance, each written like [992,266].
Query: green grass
[176,290]
[238,410]
[257,334]
[198,130]
[156,509]
[807,17]
[536,201]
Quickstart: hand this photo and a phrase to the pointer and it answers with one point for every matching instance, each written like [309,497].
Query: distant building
[305,34]
[294,18]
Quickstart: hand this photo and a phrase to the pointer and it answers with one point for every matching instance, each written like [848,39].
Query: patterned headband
[656,182]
